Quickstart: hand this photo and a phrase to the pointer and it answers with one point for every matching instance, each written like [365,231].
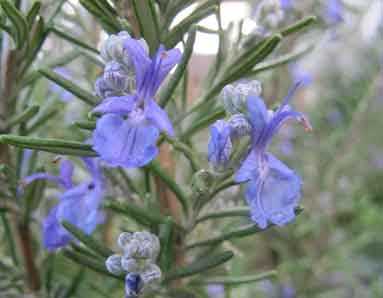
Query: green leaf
[187,152]
[298,26]
[199,266]
[240,67]
[237,233]
[171,183]
[41,119]
[50,145]
[202,123]
[110,24]
[9,237]
[33,12]
[148,23]
[236,280]
[87,240]
[173,8]
[82,94]
[75,283]
[177,33]
[281,60]
[88,125]
[166,240]
[24,116]
[60,61]
[91,263]
[7,29]
[238,211]
[166,92]
[18,21]
[32,197]
[142,216]
[106,7]
[72,39]
[37,38]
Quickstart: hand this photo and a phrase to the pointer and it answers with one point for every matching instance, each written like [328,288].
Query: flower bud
[124,239]
[113,264]
[112,48]
[220,145]
[234,97]
[151,273]
[129,264]
[240,126]
[142,245]
[149,245]
[133,285]
[116,77]
[103,89]
[202,182]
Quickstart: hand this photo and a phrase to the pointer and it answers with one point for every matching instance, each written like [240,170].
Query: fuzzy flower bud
[124,239]
[234,97]
[240,126]
[116,76]
[113,264]
[151,273]
[140,250]
[129,264]
[202,182]
[113,49]
[103,89]
[133,285]
[143,245]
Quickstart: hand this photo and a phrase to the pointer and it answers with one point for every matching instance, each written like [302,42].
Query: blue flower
[300,75]
[286,4]
[333,12]
[78,204]
[127,133]
[273,190]
[133,285]
[220,146]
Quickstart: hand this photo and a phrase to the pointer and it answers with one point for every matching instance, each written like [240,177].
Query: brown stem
[33,277]
[9,64]
[169,204]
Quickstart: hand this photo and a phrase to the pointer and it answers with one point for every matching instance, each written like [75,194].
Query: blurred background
[335,248]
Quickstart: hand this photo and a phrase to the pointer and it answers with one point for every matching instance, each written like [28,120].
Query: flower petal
[139,57]
[155,114]
[168,60]
[248,168]
[273,198]
[220,146]
[125,143]
[66,173]
[54,235]
[258,116]
[118,105]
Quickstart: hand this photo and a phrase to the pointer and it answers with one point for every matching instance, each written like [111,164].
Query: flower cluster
[78,204]
[273,190]
[127,133]
[140,251]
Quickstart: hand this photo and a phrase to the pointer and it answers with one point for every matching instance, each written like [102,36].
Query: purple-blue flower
[133,285]
[273,190]
[127,133]
[286,4]
[78,204]
[333,13]
[299,74]
[220,146]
